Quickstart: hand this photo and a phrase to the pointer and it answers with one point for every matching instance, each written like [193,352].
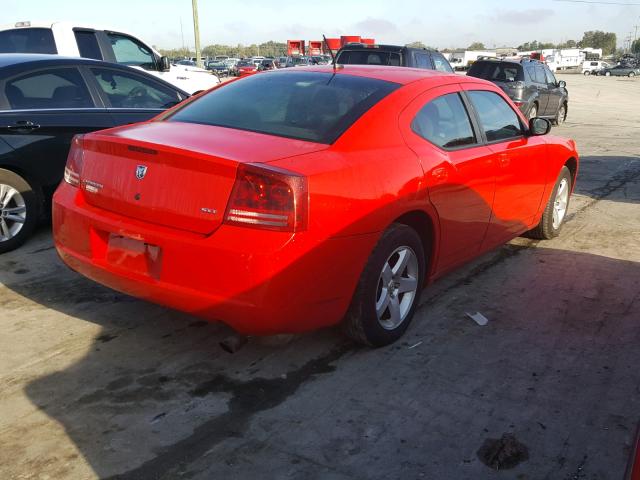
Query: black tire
[533,111]
[545,230]
[561,115]
[361,321]
[15,181]
[587,73]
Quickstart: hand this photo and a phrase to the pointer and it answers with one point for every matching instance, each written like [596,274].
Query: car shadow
[152,395]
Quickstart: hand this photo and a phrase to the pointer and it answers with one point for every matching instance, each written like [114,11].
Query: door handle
[23,125]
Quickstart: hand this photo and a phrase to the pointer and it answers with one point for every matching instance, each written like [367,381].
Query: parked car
[334,198]
[220,68]
[621,71]
[592,67]
[297,61]
[64,38]
[187,62]
[392,55]
[44,101]
[246,67]
[267,64]
[529,83]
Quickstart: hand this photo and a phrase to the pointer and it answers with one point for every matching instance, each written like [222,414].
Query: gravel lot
[97,384]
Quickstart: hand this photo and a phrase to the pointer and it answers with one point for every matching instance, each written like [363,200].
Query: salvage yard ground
[95,384]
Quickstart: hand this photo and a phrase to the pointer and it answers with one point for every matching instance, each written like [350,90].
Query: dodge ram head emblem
[141,171]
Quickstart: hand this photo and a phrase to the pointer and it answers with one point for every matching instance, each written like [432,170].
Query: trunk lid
[174,174]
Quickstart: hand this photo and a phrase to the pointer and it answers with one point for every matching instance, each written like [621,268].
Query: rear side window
[441,63]
[497,71]
[44,89]
[369,57]
[88,44]
[538,74]
[312,106]
[27,40]
[128,90]
[444,122]
[497,118]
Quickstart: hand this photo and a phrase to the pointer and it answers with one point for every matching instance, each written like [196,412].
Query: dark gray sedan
[621,71]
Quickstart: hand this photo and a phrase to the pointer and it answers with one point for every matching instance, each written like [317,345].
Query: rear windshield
[368,57]
[312,106]
[27,40]
[497,71]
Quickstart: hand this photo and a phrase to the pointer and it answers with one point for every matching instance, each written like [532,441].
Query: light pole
[196,31]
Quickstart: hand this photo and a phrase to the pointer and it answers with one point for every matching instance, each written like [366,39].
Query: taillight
[74,162]
[268,197]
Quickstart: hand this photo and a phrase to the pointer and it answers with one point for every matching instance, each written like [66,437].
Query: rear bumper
[258,282]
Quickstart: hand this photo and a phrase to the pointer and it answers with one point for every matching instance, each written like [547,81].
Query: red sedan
[246,68]
[334,198]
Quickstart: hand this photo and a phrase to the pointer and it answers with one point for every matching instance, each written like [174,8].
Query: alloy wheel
[397,288]
[560,203]
[13,212]
[533,113]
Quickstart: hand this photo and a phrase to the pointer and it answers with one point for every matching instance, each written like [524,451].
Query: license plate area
[134,255]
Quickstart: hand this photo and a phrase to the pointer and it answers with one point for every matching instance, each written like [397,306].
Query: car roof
[11,59]
[401,75]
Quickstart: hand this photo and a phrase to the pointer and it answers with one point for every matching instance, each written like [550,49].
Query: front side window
[45,89]
[126,90]
[497,118]
[441,63]
[539,76]
[312,106]
[444,122]
[27,40]
[551,79]
[129,51]
[423,61]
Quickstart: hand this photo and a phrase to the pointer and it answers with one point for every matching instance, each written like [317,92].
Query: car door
[131,97]
[459,171]
[521,166]
[543,90]
[41,111]
[555,92]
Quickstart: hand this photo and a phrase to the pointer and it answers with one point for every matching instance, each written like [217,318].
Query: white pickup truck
[62,38]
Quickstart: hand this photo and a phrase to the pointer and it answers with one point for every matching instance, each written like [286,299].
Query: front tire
[533,112]
[556,210]
[389,289]
[607,74]
[561,115]
[631,74]
[18,210]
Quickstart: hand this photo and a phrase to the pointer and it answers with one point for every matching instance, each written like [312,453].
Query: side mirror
[165,64]
[539,126]
[562,84]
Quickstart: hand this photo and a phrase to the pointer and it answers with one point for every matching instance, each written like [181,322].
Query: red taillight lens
[74,162]
[268,197]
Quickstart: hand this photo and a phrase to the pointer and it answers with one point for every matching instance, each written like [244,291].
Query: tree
[635,46]
[416,44]
[476,46]
[599,39]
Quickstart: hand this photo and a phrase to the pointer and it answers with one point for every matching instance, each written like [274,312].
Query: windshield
[497,71]
[312,106]
[27,40]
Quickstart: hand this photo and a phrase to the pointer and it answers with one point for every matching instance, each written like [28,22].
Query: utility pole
[196,31]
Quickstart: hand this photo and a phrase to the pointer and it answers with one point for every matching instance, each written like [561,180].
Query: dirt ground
[95,384]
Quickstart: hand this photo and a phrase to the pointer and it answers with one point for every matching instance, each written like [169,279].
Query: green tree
[476,46]
[635,46]
[599,39]
[416,44]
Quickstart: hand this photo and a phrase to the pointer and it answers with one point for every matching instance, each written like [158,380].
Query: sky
[442,24]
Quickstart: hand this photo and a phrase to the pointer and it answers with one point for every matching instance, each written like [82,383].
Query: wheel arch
[31,180]
[425,226]
[572,165]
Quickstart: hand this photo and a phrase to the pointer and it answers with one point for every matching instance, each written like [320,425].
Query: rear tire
[631,74]
[607,74]
[389,289]
[587,73]
[18,210]
[556,210]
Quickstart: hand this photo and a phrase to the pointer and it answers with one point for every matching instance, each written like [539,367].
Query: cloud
[521,17]
[375,26]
